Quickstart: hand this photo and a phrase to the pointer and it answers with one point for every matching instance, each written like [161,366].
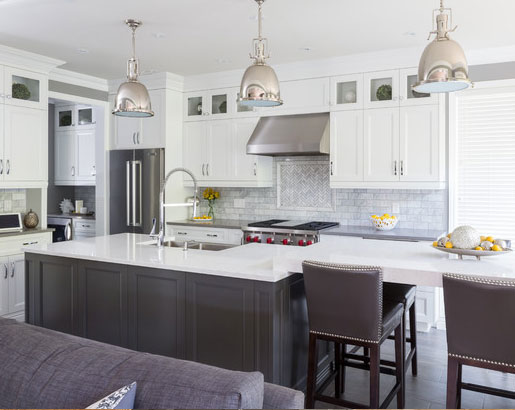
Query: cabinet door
[153,132]
[65,157]
[302,96]
[382,89]
[26,145]
[25,88]
[419,144]
[347,146]
[194,148]
[126,131]
[2,143]
[103,302]
[85,156]
[85,117]
[195,106]
[218,150]
[157,310]
[408,97]
[65,117]
[4,286]
[222,105]
[347,92]
[381,145]
[16,284]
[245,166]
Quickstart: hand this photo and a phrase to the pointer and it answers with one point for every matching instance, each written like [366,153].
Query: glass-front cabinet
[409,77]
[68,117]
[194,106]
[85,116]
[214,104]
[347,92]
[381,89]
[25,88]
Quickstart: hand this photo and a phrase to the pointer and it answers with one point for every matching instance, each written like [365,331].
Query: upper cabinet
[25,88]
[74,117]
[74,162]
[382,89]
[347,92]
[408,97]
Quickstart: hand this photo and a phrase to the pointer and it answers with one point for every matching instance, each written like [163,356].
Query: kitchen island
[241,308]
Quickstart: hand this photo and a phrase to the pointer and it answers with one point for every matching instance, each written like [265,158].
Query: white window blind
[485,166]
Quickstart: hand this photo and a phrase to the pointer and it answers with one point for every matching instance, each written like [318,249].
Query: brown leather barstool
[345,306]
[480,318]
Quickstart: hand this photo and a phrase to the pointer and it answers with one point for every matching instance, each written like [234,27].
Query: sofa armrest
[278,397]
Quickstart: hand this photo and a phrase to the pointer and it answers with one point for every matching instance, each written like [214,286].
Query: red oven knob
[301,242]
[309,243]
[256,239]
[286,241]
[269,240]
[249,239]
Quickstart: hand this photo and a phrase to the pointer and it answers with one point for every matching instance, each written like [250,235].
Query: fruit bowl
[385,222]
[202,219]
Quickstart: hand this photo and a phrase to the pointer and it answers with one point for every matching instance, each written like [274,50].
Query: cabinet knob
[6,271]
[1,166]
[8,164]
[12,269]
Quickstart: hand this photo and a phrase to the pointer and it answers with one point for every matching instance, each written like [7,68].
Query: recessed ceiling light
[306,49]
[159,35]
[409,34]
[222,60]
[82,50]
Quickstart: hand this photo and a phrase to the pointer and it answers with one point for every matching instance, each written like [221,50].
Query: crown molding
[27,60]
[156,81]
[79,79]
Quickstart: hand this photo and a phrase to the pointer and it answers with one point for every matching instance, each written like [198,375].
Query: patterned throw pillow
[120,399]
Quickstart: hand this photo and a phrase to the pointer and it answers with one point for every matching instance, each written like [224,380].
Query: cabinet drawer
[84,226]
[214,235]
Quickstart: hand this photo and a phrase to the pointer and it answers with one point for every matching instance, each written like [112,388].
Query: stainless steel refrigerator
[134,183]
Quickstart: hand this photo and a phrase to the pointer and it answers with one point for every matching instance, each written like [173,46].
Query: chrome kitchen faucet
[161,236]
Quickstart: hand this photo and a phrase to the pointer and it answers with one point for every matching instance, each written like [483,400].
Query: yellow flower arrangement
[210,195]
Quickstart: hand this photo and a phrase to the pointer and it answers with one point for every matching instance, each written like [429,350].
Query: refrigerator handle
[128,177]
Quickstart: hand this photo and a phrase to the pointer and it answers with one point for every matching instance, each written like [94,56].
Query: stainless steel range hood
[306,134]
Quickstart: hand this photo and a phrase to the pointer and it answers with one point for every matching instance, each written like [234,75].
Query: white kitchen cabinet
[4,286]
[142,133]
[74,159]
[194,147]
[25,144]
[407,78]
[25,88]
[83,228]
[379,80]
[427,308]
[347,92]
[17,283]
[74,117]
[346,147]
[210,105]
[381,145]
[218,153]
[419,144]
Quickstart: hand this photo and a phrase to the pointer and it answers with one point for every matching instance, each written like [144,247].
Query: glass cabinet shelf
[194,106]
[23,88]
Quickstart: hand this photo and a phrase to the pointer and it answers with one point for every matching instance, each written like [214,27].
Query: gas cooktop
[295,225]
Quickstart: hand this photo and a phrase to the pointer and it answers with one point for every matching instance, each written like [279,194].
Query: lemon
[435,244]
[375,216]
[448,245]
[448,235]
[496,248]
[483,238]
[479,248]
[490,239]
[386,215]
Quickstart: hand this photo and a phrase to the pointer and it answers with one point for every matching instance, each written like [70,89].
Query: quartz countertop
[399,234]
[72,216]
[216,223]
[403,262]
[26,232]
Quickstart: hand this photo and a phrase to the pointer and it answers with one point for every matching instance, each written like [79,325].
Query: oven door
[62,229]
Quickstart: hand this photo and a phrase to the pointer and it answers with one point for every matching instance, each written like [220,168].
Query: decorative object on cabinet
[20,91]
[260,85]
[132,98]
[31,220]
[384,92]
[350,97]
[443,66]
[210,195]
[385,222]
[66,206]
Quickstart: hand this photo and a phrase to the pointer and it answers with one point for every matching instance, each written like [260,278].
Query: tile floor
[428,389]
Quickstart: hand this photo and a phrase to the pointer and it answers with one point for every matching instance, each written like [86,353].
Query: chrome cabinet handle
[1,166]
[332,168]
[73,171]
[402,167]
[93,171]
[182,233]
[207,169]
[255,169]
[6,271]
[12,269]
[8,164]
[394,167]
[137,138]
[134,138]
[203,173]
[212,235]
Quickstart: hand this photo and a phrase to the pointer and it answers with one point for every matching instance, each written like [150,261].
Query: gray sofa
[41,368]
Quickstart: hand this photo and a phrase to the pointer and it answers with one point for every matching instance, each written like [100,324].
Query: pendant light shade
[260,86]
[443,66]
[132,98]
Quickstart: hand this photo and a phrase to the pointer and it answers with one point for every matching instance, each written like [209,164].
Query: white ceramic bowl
[386,224]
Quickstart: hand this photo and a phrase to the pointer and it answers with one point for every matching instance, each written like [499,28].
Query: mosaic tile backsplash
[419,209]
[13,200]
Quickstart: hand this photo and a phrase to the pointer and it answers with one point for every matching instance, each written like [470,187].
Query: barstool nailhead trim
[480,280]
[359,268]
[344,337]
[458,356]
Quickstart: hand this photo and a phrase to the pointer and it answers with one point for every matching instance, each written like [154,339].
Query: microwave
[10,223]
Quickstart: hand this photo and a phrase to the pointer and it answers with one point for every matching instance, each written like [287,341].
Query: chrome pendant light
[443,66]
[260,86]
[132,99]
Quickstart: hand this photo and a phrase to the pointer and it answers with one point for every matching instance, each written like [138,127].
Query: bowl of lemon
[202,219]
[385,222]
[465,240]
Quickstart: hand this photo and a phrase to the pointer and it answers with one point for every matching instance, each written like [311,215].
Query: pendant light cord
[133,42]
[260,4]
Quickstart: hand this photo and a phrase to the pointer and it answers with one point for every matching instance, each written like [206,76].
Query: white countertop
[403,262]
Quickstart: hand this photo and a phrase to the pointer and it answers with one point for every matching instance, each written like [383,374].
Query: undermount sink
[202,246]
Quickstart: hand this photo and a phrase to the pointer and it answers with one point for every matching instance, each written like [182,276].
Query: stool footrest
[488,390]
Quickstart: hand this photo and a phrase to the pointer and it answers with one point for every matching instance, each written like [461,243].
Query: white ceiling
[200,36]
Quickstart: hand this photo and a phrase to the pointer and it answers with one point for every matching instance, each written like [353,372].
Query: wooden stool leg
[344,350]
[413,338]
[338,369]
[366,351]
[312,372]
[452,383]
[459,385]
[374,376]
[400,354]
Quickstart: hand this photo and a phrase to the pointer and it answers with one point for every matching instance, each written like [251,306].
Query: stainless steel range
[284,232]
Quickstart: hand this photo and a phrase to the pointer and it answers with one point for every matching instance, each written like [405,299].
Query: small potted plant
[210,195]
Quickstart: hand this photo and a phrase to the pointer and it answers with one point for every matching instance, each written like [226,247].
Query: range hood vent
[306,134]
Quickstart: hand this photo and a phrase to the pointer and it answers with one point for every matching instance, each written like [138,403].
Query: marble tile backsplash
[418,209]
[13,200]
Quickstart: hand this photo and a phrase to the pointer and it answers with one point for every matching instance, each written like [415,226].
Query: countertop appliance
[10,222]
[285,232]
[134,183]
[62,228]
